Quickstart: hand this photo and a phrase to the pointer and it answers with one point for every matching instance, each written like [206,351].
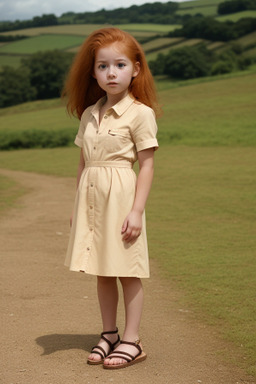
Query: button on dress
[106,190]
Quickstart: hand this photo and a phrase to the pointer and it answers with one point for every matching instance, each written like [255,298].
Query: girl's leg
[108,300]
[133,300]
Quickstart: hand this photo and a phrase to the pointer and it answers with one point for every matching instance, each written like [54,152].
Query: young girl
[111,90]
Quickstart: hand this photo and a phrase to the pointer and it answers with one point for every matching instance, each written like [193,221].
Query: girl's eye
[102,66]
[120,65]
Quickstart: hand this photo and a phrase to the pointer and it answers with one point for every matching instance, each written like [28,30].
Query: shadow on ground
[57,342]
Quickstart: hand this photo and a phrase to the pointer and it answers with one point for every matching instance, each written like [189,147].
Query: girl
[111,90]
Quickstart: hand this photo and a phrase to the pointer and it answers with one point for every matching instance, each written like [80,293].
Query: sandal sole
[138,359]
[95,362]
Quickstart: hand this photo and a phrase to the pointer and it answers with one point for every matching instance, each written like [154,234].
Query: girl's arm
[132,225]
[80,169]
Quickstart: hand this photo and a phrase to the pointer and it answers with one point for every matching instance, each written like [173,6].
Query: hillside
[217,45]
[69,30]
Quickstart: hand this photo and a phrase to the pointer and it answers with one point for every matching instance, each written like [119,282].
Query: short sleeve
[145,129]
[80,134]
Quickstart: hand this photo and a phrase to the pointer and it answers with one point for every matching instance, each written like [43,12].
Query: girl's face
[114,71]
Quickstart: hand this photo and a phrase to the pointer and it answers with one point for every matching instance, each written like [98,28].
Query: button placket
[91,199]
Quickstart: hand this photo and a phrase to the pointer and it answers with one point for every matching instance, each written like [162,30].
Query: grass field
[79,30]
[236,16]
[42,43]
[247,40]
[201,213]
[186,109]
[68,38]
[177,42]
[205,11]
[9,193]
[199,3]
[10,60]
[86,29]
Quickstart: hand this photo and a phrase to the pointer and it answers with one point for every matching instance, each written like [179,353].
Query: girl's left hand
[132,225]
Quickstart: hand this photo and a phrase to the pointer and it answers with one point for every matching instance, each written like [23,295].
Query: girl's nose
[111,72]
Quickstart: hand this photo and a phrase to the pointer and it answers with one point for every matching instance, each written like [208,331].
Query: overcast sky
[26,9]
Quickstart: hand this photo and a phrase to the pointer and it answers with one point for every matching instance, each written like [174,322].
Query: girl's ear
[136,69]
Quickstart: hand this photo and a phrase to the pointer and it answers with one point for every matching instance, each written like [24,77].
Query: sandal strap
[122,354]
[111,345]
[109,332]
[103,353]
[133,344]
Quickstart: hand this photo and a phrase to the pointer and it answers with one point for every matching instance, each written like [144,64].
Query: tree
[233,6]
[186,63]
[47,71]
[15,87]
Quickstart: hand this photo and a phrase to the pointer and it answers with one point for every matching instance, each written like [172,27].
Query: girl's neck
[114,99]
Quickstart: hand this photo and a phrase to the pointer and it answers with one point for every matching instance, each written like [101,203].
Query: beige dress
[106,191]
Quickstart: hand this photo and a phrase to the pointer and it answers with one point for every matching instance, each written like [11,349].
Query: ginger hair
[82,90]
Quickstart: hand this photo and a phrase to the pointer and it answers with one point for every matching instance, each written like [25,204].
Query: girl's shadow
[57,342]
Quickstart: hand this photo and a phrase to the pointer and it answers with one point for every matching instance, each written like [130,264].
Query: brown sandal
[103,354]
[130,359]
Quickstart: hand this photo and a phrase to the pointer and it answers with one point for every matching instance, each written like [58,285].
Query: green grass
[42,43]
[203,112]
[215,45]
[58,162]
[201,226]
[247,40]
[158,44]
[9,193]
[9,60]
[156,28]
[236,16]
[199,3]
[178,42]
[68,38]
[86,29]
[75,29]
[205,11]
[250,53]
[44,118]
[220,112]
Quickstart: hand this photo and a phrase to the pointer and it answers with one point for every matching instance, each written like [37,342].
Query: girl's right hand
[132,225]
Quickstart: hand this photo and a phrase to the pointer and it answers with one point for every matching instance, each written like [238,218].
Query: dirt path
[51,317]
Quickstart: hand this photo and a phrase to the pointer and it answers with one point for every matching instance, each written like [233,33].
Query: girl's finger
[124,226]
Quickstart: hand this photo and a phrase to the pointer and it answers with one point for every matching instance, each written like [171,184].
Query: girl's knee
[105,280]
[127,281]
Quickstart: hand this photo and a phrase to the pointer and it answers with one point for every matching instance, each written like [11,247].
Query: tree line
[192,62]
[157,13]
[234,6]
[40,76]
[211,29]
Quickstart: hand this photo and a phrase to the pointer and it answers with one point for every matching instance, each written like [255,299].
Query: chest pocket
[116,139]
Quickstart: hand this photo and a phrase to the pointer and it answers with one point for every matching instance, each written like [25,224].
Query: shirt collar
[119,108]
[123,104]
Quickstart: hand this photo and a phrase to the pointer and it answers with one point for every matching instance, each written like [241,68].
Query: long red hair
[81,88]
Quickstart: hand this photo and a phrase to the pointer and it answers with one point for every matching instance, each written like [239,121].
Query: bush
[157,66]
[35,139]
[47,71]
[187,63]
[15,87]
[221,67]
